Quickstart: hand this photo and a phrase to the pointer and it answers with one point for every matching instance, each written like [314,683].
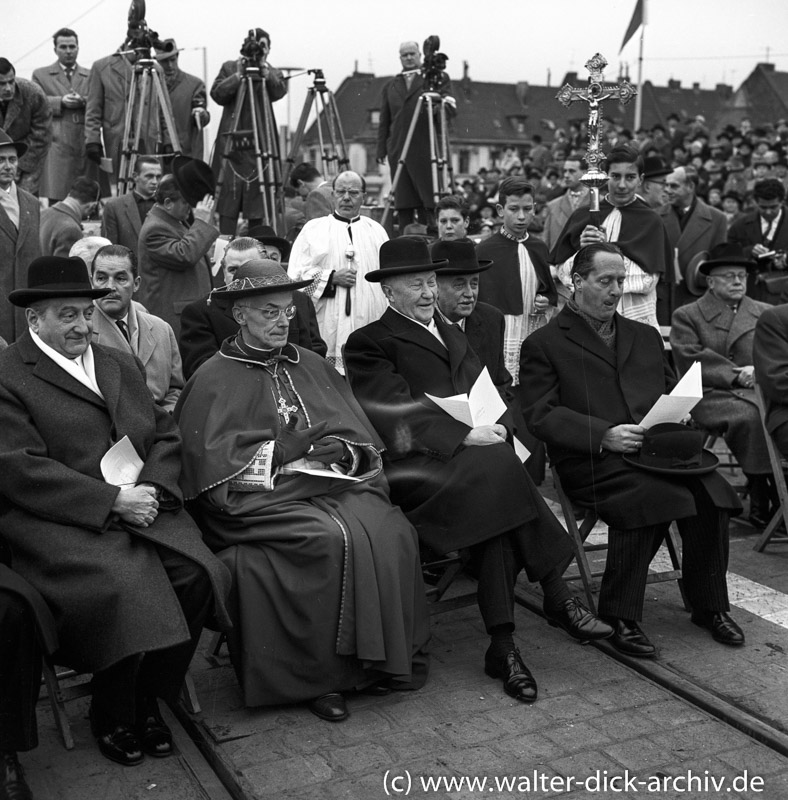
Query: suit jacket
[109,88]
[454,495]
[104,580]
[204,326]
[65,160]
[153,343]
[746,232]
[61,226]
[558,213]
[120,221]
[770,356]
[28,119]
[705,228]
[574,387]
[173,264]
[484,328]
[187,93]
[17,249]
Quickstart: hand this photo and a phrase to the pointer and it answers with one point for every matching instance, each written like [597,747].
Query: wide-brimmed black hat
[461,258]
[7,141]
[726,254]
[403,256]
[194,178]
[265,234]
[49,277]
[655,167]
[673,449]
[261,276]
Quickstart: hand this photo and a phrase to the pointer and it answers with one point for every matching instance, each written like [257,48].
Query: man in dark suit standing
[123,216]
[587,380]
[65,84]
[61,224]
[414,190]
[764,231]
[19,243]
[693,227]
[460,486]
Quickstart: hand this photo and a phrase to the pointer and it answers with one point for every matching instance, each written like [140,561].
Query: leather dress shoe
[378,689]
[13,785]
[517,679]
[118,743]
[573,617]
[723,628]
[153,732]
[629,639]
[330,707]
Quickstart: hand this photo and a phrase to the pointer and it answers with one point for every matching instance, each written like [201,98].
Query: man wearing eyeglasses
[335,253]
[61,224]
[718,330]
[761,232]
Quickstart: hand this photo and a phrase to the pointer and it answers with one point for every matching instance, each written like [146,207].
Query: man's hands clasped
[137,505]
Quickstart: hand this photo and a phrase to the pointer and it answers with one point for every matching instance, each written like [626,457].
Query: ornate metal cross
[594,94]
[285,410]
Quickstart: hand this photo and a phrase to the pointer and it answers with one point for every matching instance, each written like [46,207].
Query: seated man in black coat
[587,379]
[206,323]
[461,487]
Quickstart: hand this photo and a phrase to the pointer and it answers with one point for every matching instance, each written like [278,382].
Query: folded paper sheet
[675,406]
[121,466]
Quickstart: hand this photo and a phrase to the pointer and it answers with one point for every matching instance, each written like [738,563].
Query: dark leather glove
[292,444]
[94,152]
[327,451]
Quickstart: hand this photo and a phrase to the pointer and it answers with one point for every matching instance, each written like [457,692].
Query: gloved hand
[94,152]
[292,444]
[327,451]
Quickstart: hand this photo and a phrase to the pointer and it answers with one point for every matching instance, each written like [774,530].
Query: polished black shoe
[153,732]
[13,785]
[330,707]
[517,679]
[573,617]
[723,628]
[378,689]
[629,639]
[118,743]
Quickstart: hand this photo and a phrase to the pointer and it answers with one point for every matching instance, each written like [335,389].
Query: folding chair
[579,535]
[440,572]
[771,533]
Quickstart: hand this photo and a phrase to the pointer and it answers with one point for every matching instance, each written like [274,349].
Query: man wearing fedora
[187,98]
[329,594]
[173,255]
[693,227]
[461,486]
[652,190]
[334,253]
[124,568]
[718,330]
[587,380]
[206,323]
[122,216]
[19,242]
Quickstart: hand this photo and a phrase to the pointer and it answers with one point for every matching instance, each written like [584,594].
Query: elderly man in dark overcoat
[718,330]
[122,567]
[587,379]
[460,486]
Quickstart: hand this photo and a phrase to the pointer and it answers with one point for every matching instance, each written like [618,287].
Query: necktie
[69,73]
[124,329]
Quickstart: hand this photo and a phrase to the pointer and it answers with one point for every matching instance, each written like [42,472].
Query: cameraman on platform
[414,191]
[241,189]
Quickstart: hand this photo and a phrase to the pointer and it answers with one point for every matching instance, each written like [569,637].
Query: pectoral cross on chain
[594,94]
[285,410]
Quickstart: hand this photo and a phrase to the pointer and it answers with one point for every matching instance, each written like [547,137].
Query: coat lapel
[145,339]
[744,321]
[413,332]
[456,344]
[581,334]
[132,212]
[108,379]
[696,225]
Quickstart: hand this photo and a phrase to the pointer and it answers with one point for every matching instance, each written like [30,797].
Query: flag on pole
[638,19]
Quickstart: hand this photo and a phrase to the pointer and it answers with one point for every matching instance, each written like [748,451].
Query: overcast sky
[708,41]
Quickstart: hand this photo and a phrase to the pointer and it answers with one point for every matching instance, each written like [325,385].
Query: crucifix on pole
[594,94]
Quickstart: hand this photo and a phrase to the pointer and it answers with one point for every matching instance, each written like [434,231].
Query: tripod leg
[433,153]
[166,112]
[295,145]
[401,162]
[340,148]
[258,134]
[227,145]
[448,186]
[274,171]
[128,146]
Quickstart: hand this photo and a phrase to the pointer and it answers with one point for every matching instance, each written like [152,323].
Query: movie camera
[434,64]
[254,49]
[139,37]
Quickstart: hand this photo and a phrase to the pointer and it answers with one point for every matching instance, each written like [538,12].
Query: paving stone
[576,736]
[638,754]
